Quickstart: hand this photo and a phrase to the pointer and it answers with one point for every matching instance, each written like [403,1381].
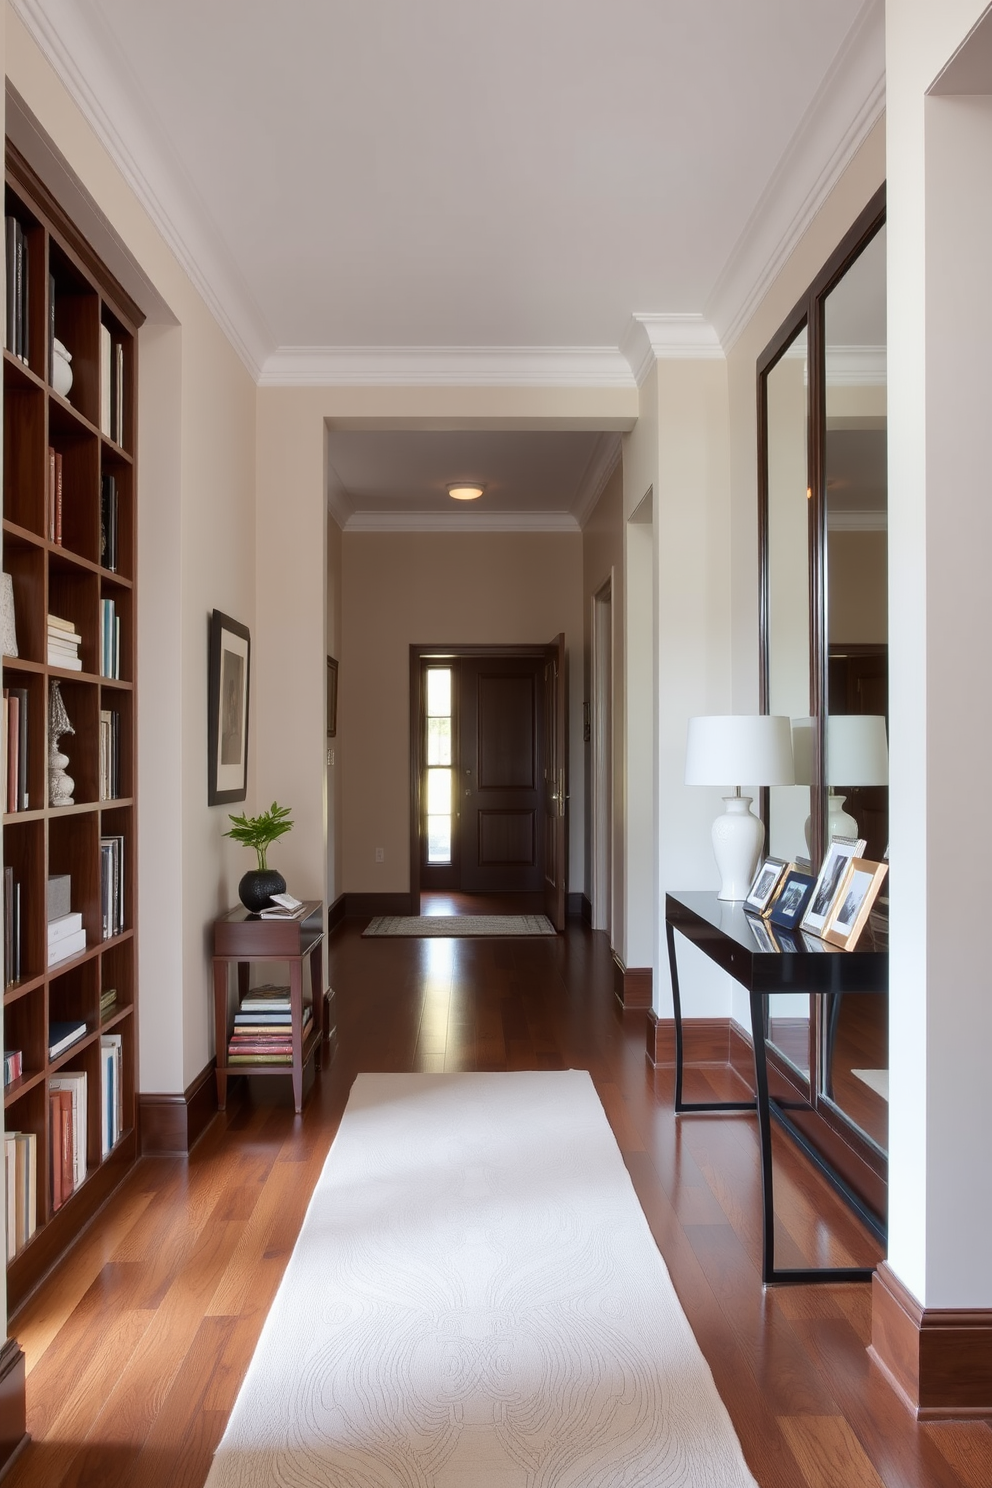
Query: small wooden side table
[242,937]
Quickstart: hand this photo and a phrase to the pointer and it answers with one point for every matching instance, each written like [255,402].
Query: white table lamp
[735,749]
[857,754]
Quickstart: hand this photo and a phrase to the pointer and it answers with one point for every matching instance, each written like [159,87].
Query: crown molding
[652,337]
[856,366]
[77,45]
[446,366]
[857,521]
[841,115]
[461,522]
[603,461]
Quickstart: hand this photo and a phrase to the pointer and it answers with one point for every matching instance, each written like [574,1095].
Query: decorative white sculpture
[60,785]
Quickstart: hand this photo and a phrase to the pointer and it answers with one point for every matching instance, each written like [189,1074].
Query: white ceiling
[372,181]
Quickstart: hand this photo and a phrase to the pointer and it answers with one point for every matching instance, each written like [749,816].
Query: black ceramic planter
[257,887]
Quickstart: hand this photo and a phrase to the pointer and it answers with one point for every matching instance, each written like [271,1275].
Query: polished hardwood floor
[137,1345]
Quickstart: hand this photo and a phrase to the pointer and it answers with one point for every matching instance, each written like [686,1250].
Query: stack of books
[66,937]
[15,733]
[17,289]
[63,1034]
[263,1028]
[110,640]
[63,645]
[111,386]
[13,1065]
[110,754]
[11,928]
[20,1151]
[108,1003]
[67,1140]
[112,884]
[111,1090]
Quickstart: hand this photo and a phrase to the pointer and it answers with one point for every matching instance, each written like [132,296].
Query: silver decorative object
[60,785]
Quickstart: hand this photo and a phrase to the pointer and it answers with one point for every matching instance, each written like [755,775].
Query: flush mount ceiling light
[465,490]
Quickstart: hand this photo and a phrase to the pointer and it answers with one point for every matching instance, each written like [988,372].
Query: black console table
[722,931]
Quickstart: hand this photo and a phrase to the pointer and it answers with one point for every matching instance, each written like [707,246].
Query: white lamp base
[738,837]
[839,823]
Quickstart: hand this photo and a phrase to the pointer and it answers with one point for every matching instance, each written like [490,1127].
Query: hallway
[137,1347]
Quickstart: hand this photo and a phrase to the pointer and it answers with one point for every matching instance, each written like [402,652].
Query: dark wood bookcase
[71,580]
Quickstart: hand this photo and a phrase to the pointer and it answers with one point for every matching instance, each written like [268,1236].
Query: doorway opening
[602,758]
[488,775]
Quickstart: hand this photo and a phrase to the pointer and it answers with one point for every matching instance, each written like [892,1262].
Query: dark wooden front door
[554,747]
[500,774]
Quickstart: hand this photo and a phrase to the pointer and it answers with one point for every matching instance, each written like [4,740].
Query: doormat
[459,925]
[475,1298]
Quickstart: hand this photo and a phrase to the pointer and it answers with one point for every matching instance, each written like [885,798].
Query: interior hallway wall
[602,557]
[334,776]
[411,588]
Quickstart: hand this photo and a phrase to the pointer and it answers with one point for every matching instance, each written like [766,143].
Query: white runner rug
[459,925]
[878,1079]
[476,1301]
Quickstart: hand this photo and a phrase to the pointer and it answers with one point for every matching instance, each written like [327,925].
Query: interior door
[555,752]
[500,774]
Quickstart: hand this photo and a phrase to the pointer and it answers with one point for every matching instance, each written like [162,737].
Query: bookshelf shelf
[69,492]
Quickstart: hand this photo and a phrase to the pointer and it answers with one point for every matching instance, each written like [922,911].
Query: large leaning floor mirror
[824,646]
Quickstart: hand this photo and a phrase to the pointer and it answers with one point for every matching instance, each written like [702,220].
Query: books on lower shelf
[110,640]
[55,495]
[110,754]
[63,644]
[11,928]
[263,1028]
[70,1087]
[21,1172]
[15,737]
[112,884]
[111,1090]
[13,1065]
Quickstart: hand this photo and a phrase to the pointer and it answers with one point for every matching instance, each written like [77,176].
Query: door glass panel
[438,772]
[855,1035]
[788,604]
[439,741]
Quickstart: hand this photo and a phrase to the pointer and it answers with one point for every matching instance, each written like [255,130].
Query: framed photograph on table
[791,900]
[852,906]
[821,902]
[766,880]
[227,710]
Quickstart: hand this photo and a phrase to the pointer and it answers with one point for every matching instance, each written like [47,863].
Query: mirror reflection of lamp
[60,785]
[857,754]
[724,749]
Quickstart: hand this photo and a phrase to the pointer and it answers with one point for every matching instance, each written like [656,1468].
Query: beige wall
[196,544]
[858,603]
[334,605]
[406,588]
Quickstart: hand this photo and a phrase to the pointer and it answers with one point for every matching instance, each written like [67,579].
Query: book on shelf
[61,1166]
[58,895]
[108,522]
[111,1093]
[15,734]
[13,1065]
[63,644]
[11,927]
[111,386]
[63,1033]
[8,615]
[112,884]
[73,1082]
[51,327]
[110,754]
[108,1003]
[66,938]
[21,1172]
[17,289]
[110,640]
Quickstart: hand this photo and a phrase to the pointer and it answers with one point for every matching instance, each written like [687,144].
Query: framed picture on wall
[332,697]
[227,710]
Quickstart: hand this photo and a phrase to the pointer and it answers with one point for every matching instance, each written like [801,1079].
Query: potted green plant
[259,884]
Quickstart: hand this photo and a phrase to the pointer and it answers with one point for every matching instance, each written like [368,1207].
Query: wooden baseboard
[13,1405]
[631,985]
[335,913]
[705,1040]
[938,1359]
[365,906]
[172,1123]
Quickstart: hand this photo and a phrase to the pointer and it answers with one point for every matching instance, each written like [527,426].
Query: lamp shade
[739,749]
[802,750]
[857,749]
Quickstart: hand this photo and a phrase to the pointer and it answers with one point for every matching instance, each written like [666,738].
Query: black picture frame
[332,697]
[228,692]
[793,897]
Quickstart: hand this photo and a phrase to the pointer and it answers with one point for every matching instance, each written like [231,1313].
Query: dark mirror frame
[856,1158]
